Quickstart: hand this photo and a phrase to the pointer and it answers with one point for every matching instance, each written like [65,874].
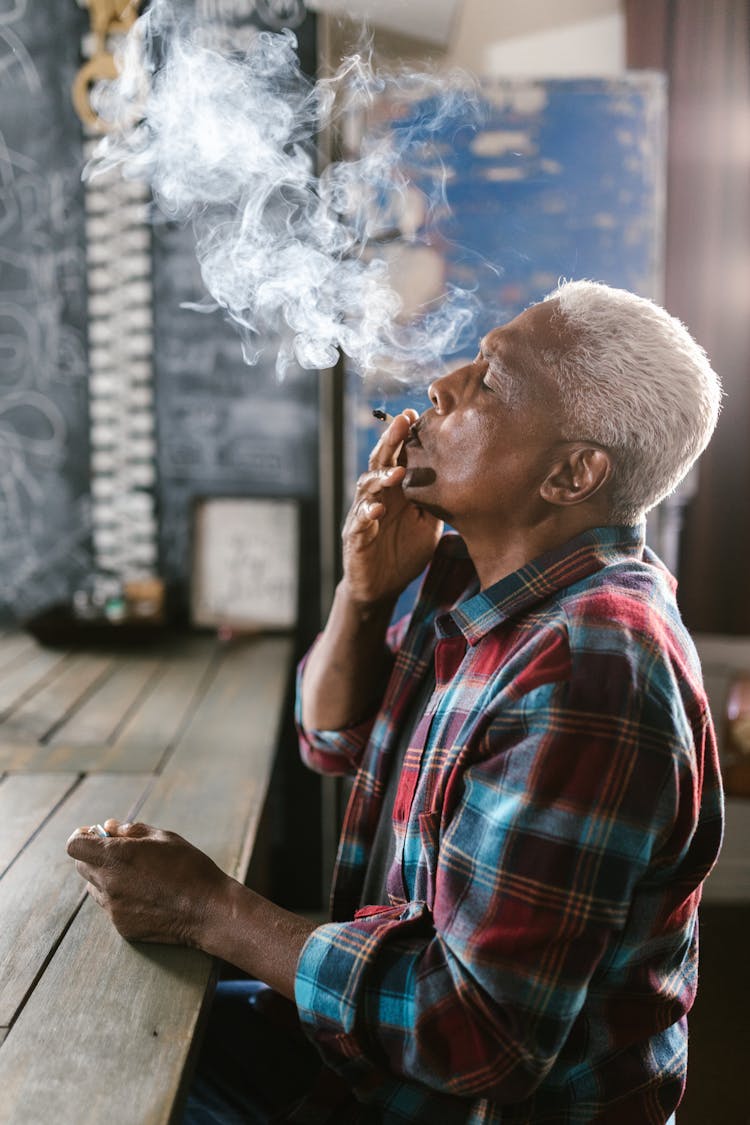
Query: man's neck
[496,555]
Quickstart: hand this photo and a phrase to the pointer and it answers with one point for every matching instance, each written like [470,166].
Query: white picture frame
[245,573]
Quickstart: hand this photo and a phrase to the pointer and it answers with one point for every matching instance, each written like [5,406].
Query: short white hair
[636,382]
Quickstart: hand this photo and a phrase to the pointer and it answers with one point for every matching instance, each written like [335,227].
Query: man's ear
[576,477]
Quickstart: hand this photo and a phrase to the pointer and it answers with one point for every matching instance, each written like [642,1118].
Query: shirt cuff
[334,752]
[331,981]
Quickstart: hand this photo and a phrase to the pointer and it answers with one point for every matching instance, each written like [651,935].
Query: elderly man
[536,800]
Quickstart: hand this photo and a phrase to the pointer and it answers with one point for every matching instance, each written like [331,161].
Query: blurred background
[152,484]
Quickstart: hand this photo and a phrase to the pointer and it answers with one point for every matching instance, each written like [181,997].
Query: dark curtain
[704,47]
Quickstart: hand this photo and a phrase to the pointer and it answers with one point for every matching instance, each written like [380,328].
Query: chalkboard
[43,390]
[222,428]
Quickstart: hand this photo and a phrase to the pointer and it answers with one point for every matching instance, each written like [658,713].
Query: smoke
[226,140]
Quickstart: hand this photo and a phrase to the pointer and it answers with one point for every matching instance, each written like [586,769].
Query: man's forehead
[536,326]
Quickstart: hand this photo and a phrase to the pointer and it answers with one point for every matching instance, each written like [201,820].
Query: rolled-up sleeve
[332,752]
[338,752]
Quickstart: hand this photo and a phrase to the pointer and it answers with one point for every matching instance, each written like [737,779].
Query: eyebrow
[491,357]
[494,360]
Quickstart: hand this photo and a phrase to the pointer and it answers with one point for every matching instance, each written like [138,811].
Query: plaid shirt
[558,809]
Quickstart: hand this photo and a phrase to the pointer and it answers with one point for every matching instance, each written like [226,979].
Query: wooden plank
[114,1040]
[20,680]
[96,721]
[19,755]
[41,890]
[26,800]
[50,705]
[15,647]
[113,1067]
[213,787]
[154,725]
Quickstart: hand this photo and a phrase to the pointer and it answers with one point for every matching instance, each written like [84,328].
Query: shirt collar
[555,570]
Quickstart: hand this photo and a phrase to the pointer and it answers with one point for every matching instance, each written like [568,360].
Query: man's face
[488,442]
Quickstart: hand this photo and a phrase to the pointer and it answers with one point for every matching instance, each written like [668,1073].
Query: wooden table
[93,1028]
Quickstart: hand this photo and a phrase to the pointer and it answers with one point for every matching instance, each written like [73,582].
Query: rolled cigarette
[99,829]
[382,416]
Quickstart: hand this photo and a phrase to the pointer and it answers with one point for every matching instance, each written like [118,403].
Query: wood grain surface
[26,801]
[40,891]
[93,1027]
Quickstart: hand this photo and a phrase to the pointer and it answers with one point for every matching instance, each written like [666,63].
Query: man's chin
[415,487]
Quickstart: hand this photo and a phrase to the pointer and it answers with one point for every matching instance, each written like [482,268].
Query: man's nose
[445,391]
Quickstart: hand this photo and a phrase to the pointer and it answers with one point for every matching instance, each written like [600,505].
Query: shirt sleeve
[339,752]
[571,794]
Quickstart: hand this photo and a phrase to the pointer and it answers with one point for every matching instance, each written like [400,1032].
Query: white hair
[636,382]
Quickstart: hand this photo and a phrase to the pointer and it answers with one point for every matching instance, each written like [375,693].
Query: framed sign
[245,572]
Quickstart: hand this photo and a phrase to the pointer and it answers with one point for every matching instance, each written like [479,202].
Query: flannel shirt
[558,810]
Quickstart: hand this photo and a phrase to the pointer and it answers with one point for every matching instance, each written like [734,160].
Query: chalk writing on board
[44,508]
[15,61]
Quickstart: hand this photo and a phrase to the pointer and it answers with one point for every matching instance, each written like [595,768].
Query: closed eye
[494,378]
[499,382]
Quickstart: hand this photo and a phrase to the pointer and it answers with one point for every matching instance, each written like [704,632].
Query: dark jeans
[255,1063]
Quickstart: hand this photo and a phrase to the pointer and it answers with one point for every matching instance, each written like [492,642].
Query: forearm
[346,672]
[255,935]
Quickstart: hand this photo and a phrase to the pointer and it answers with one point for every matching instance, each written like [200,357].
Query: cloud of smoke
[226,140]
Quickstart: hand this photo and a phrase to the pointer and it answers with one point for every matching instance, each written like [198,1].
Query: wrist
[368,611]
[220,916]
[247,930]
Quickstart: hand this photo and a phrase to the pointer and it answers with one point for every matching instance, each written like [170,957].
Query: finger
[90,830]
[362,523]
[98,896]
[88,873]
[367,519]
[371,498]
[87,847]
[388,447]
[375,480]
[361,514]
[132,831]
[389,444]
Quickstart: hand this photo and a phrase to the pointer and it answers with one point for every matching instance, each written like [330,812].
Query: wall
[487,37]
[724,659]
[577,37]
